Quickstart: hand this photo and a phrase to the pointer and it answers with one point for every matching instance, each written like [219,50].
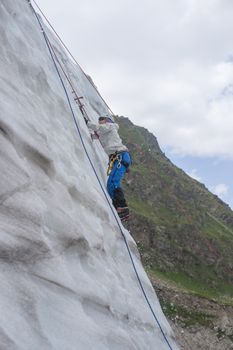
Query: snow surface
[67,282]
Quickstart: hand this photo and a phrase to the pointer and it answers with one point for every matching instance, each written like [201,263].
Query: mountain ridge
[177,201]
[185,237]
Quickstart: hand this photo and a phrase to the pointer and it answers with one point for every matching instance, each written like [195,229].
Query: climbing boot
[123,213]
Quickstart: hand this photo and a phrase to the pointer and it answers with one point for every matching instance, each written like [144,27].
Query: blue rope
[85,149]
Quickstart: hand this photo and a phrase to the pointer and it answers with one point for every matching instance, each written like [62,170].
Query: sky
[168,66]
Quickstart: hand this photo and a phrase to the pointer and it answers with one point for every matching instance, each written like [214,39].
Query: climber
[119,161]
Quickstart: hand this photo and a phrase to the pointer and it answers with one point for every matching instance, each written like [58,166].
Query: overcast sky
[168,66]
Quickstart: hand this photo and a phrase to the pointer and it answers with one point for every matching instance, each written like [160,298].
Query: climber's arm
[99,128]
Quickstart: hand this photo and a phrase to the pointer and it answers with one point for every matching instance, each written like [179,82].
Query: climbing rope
[95,172]
[76,97]
[69,52]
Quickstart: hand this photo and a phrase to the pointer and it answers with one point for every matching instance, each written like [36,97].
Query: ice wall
[67,282]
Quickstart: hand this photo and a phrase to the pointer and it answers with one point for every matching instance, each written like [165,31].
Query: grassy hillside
[184,232]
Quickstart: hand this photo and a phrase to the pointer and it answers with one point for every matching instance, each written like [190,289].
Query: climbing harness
[117,156]
[112,158]
[51,51]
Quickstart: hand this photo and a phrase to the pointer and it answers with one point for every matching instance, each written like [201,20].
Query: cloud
[167,65]
[220,190]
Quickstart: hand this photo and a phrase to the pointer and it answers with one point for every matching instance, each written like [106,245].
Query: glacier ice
[67,282]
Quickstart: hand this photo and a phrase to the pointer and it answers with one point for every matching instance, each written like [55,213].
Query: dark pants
[119,169]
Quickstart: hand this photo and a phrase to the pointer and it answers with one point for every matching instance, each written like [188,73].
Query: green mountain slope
[184,232]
